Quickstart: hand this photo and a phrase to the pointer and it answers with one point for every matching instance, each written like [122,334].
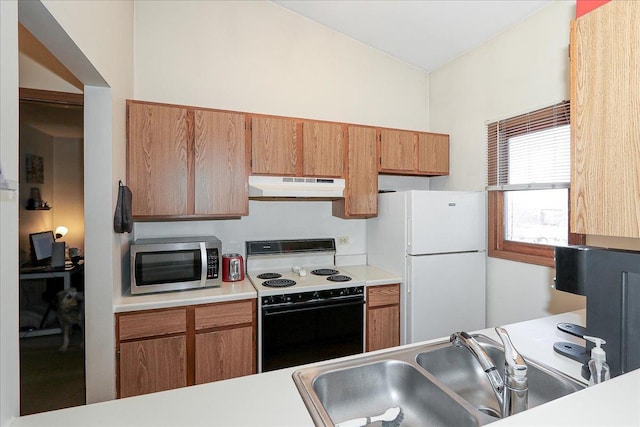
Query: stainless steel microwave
[174,263]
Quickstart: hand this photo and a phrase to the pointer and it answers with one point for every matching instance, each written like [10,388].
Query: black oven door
[313,331]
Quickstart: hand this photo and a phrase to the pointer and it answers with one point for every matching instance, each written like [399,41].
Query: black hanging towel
[122,219]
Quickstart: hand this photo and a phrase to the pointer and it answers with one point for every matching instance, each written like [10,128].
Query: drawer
[225,314]
[151,323]
[383,295]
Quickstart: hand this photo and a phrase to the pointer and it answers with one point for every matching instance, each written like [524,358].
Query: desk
[48,272]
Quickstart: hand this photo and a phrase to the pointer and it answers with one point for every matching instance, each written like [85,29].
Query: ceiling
[54,119]
[57,120]
[424,33]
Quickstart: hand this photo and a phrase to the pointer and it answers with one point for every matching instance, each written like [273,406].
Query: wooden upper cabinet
[323,148]
[413,153]
[605,121]
[159,159]
[433,154]
[361,190]
[186,162]
[220,164]
[274,146]
[397,150]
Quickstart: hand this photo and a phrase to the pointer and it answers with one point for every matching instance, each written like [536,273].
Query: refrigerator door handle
[409,235]
[408,274]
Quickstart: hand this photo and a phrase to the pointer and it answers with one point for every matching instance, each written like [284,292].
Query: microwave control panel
[212,263]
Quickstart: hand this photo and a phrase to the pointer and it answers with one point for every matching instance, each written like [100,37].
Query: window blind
[530,151]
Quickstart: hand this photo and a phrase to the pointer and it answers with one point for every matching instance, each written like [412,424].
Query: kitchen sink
[457,369]
[436,385]
[371,389]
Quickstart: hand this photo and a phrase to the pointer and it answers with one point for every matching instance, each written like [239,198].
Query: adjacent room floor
[51,379]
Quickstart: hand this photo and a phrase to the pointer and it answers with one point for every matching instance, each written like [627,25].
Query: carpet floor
[51,379]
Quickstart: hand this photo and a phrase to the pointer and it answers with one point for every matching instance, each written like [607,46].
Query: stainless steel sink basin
[435,385]
[457,369]
[371,389]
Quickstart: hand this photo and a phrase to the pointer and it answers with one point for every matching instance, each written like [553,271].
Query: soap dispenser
[598,362]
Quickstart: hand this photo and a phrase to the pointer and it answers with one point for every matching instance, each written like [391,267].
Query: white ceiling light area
[424,33]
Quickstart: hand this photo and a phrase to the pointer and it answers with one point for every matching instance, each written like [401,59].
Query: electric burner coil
[279,283]
[339,278]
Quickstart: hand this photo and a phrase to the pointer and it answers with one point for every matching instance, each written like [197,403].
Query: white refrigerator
[435,240]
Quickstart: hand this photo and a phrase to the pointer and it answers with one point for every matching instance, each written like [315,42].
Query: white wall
[523,69]
[94,41]
[68,189]
[9,353]
[259,57]
[103,31]
[32,141]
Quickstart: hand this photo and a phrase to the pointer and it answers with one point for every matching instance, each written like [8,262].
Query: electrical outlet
[343,240]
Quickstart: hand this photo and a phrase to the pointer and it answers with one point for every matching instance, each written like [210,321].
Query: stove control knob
[316,295]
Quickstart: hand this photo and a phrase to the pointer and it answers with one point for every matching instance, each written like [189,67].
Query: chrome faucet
[513,392]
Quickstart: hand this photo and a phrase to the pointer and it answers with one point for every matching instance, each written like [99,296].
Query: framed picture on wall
[34,169]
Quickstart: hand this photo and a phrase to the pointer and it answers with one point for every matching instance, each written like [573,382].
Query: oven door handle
[273,311]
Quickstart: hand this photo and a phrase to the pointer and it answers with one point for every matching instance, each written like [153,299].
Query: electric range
[279,267]
[308,309]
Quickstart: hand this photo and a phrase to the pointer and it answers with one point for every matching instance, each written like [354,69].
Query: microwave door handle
[204,262]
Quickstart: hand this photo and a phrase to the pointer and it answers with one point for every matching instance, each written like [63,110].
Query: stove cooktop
[305,281]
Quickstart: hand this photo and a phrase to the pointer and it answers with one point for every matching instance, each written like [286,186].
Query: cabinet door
[383,327]
[397,150]
[224,354]
[159,160]
[433,154]
[323,149]
[383,317]
[605,121]
[274,146]
[152,365]
[361,192]
[220,164]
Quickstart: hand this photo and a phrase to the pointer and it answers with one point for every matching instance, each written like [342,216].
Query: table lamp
[61,230]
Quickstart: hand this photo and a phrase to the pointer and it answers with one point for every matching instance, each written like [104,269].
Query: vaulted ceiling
[423,33]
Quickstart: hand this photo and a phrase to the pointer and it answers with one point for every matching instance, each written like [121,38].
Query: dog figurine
[70,312]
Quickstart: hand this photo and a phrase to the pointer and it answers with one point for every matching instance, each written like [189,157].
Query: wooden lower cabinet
[383,317]
[152,365]
[169,348]
[221,355]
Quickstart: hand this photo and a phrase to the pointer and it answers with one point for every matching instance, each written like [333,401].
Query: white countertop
[228,291]
[271,399]
[372,276]
[231,291]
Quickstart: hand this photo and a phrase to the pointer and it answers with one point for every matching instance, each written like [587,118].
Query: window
[528,178]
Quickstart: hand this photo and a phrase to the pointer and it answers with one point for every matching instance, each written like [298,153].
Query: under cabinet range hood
[288,187]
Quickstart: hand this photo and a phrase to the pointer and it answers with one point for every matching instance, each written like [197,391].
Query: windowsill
[520,257]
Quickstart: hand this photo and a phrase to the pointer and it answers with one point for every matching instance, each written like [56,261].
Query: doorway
[52,133]
[102,263]
[51,201]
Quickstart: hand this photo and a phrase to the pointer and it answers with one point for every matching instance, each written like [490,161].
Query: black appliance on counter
[610,279]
